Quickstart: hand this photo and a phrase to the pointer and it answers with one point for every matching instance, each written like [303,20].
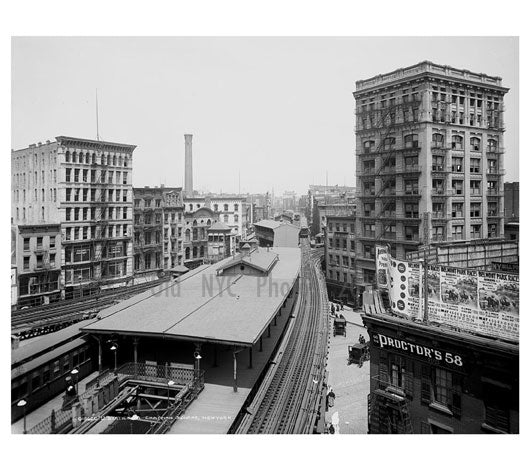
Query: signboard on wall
[381,257]
[481,302]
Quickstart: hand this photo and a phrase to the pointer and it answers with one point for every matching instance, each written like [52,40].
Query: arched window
[188,252]
[74,157]
[411,141]
[475,144]
[216,207]
[188,235]
[195,223]
[202,251]
[236,207]
[93,159]
[389,142]
[226,207]
[191,207]
[120,160]
[438,140]
[81,157]
[67,156]
[108,160]
[125,161]
[368,146]
[208,222]
[225,218]
[457,142]
[114,160]
[103,159]
[194,234]
[195,252]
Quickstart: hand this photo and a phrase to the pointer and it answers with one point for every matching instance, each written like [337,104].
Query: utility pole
[97,116]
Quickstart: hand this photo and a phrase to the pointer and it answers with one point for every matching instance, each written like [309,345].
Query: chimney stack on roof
[188,165]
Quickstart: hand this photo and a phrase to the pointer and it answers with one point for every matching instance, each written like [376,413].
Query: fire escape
[388,410]
[400,115]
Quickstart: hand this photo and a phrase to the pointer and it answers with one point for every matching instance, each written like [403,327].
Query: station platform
[350,383]
[217,406]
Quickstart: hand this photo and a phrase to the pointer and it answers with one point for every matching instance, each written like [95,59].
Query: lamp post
[74,373]
[198,358]
[133,417]
[22,404]
[169,384]
[114,349]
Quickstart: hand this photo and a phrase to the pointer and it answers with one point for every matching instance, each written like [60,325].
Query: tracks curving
[288,399]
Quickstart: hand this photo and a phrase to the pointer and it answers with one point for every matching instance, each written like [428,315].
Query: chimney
[188,166]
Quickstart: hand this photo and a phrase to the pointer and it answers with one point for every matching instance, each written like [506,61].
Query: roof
[179,269]
[201,306]
[219,226]
[272,224]
[47,357]
[261,260]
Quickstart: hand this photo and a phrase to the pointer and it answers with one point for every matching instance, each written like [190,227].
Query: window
[369,188]
[411,211]
[475,187]
[76,175]
[369,230]
[26,262]
[368,146]
[369,251]
[369,167]
[389,143]
[457,232]
[476,231]
[474,209]
[411,141]
[492,230]
[26,244]
[474,165]
[438,163]
[457,165]
[457,142]
[68,175]
[458,187]
[492,145]
[475,144]
[411,233]
[411,187]
[438,233]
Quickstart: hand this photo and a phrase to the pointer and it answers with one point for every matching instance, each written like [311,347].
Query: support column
[135,345]
[100,355]
[260,344]
[250,357]
[235,369]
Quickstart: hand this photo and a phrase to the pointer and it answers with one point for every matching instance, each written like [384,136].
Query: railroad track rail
[34,322]
[288,399]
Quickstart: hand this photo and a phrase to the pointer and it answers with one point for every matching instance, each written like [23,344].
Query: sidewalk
[36,416]
[350,383]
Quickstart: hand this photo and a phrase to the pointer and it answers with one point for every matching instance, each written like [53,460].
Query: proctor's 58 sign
[387,342]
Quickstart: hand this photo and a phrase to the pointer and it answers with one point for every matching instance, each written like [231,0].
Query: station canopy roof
[202,306]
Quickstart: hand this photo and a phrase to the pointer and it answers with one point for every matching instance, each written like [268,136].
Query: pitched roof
[219,226]
[259,259]
[272,224]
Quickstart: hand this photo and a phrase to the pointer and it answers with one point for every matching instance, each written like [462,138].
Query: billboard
[481,302]
[381,257]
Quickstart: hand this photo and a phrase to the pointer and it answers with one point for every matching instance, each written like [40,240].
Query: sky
[277,113]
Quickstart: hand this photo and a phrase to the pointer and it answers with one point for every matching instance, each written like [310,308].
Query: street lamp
[114,348]
[133,417]
[22,404]
[198,358]
[74,373]
[169,384]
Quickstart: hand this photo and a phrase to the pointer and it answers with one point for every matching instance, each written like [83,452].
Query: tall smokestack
[188,166]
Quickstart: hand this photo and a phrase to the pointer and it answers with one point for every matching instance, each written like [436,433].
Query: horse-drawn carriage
[339,326]
[358,353]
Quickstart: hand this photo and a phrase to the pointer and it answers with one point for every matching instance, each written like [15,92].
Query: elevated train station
[220,322]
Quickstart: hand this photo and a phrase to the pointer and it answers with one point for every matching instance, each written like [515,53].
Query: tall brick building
[430,160]
[85,186]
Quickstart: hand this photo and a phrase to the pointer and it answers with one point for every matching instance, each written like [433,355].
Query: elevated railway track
[36,321]
[289,398]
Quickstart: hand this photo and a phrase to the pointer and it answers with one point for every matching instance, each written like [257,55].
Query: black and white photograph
[203,227]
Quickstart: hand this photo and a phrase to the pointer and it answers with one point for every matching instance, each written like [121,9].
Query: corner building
[430,160]
[85,186]
[431,380]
